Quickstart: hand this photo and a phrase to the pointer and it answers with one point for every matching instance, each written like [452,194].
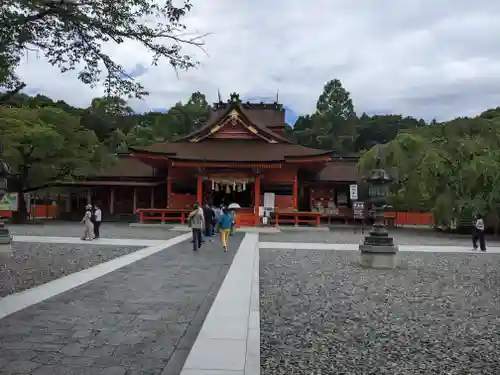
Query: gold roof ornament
[234,114]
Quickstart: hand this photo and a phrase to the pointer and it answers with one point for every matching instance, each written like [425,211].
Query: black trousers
[208,229]
[479,235]
[97,227]
[196,238]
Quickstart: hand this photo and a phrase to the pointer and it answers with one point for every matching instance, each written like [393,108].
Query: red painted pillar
[295,192]
[199,189]
[257,200]
[169,192]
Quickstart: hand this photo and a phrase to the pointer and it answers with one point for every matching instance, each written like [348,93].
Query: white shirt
[480,224]
[98,215]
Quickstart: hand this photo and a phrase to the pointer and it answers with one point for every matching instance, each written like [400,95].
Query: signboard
[353,192]
[358,209]
[269,201]
[9,202]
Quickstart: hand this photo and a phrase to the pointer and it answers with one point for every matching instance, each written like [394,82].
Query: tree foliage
[47,142]
[72,34]
[335,126]
[47,145]
[451,168]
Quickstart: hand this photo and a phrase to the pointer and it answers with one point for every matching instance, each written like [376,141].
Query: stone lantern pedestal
[378,249]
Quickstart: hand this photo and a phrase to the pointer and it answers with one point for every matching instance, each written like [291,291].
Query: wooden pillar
[199,189]
[112,201]
[152,202]
[169,192]
[257,200]
[134,202]
[68,201]
[295,192]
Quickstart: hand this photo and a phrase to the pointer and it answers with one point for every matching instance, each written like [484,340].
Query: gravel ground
[108,230]
[323,314]
[349,235]
[37,263]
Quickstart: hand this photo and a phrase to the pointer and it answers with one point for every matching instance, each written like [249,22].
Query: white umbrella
[233,206]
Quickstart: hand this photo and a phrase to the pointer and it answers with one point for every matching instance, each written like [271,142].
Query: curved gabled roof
[247,150]
[261,144]
[249,116]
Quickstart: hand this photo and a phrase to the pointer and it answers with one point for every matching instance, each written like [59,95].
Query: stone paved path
[140,319]
[108,230]
[348,235]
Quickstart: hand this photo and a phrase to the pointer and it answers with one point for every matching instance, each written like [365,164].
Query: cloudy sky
[424,58]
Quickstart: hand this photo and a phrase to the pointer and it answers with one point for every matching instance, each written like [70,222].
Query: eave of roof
[231,150]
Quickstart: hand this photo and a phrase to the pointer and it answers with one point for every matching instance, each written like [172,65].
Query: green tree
[106,115]
[450,169]
[71,34]
[45,146]
[333,125]
[379,129]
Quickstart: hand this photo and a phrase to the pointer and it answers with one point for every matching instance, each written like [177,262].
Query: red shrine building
[240,154]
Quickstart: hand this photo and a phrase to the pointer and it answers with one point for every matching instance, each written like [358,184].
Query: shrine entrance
[228,190]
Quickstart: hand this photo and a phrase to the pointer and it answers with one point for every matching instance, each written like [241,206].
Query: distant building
[237,156]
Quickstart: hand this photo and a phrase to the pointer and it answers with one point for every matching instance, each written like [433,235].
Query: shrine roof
[263,116]
[340,171]
[126,166]
[230,150]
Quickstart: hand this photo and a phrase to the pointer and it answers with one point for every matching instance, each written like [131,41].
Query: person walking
[97,221]
[209,216]
[196,222]
[479,233]
[225,224]
[88,235]
[232,213]
[218,214]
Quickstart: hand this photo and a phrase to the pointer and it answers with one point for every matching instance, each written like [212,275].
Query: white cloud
[421,58]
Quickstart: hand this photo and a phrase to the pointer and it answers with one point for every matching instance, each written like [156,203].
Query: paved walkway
[229,342]
[146,312]
[139,319]
[355,247]
[100,241]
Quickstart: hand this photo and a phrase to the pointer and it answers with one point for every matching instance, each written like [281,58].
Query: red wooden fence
[411,218]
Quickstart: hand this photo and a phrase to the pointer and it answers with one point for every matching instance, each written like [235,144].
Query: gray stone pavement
[140,319]
[32,264]
[350,235]
[108,230]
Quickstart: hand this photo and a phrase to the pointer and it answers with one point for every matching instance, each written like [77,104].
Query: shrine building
[240,154]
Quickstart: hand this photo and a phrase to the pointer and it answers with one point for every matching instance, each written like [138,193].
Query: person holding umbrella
[232,209]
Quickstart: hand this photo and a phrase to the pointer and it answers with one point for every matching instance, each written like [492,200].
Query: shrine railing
[163,215]
[297,217]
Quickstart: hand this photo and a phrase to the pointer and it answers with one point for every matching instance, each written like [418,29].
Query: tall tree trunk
[19,186]
[21,215]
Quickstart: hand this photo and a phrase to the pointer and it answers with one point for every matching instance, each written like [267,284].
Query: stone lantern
[5,237]
[378,249]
